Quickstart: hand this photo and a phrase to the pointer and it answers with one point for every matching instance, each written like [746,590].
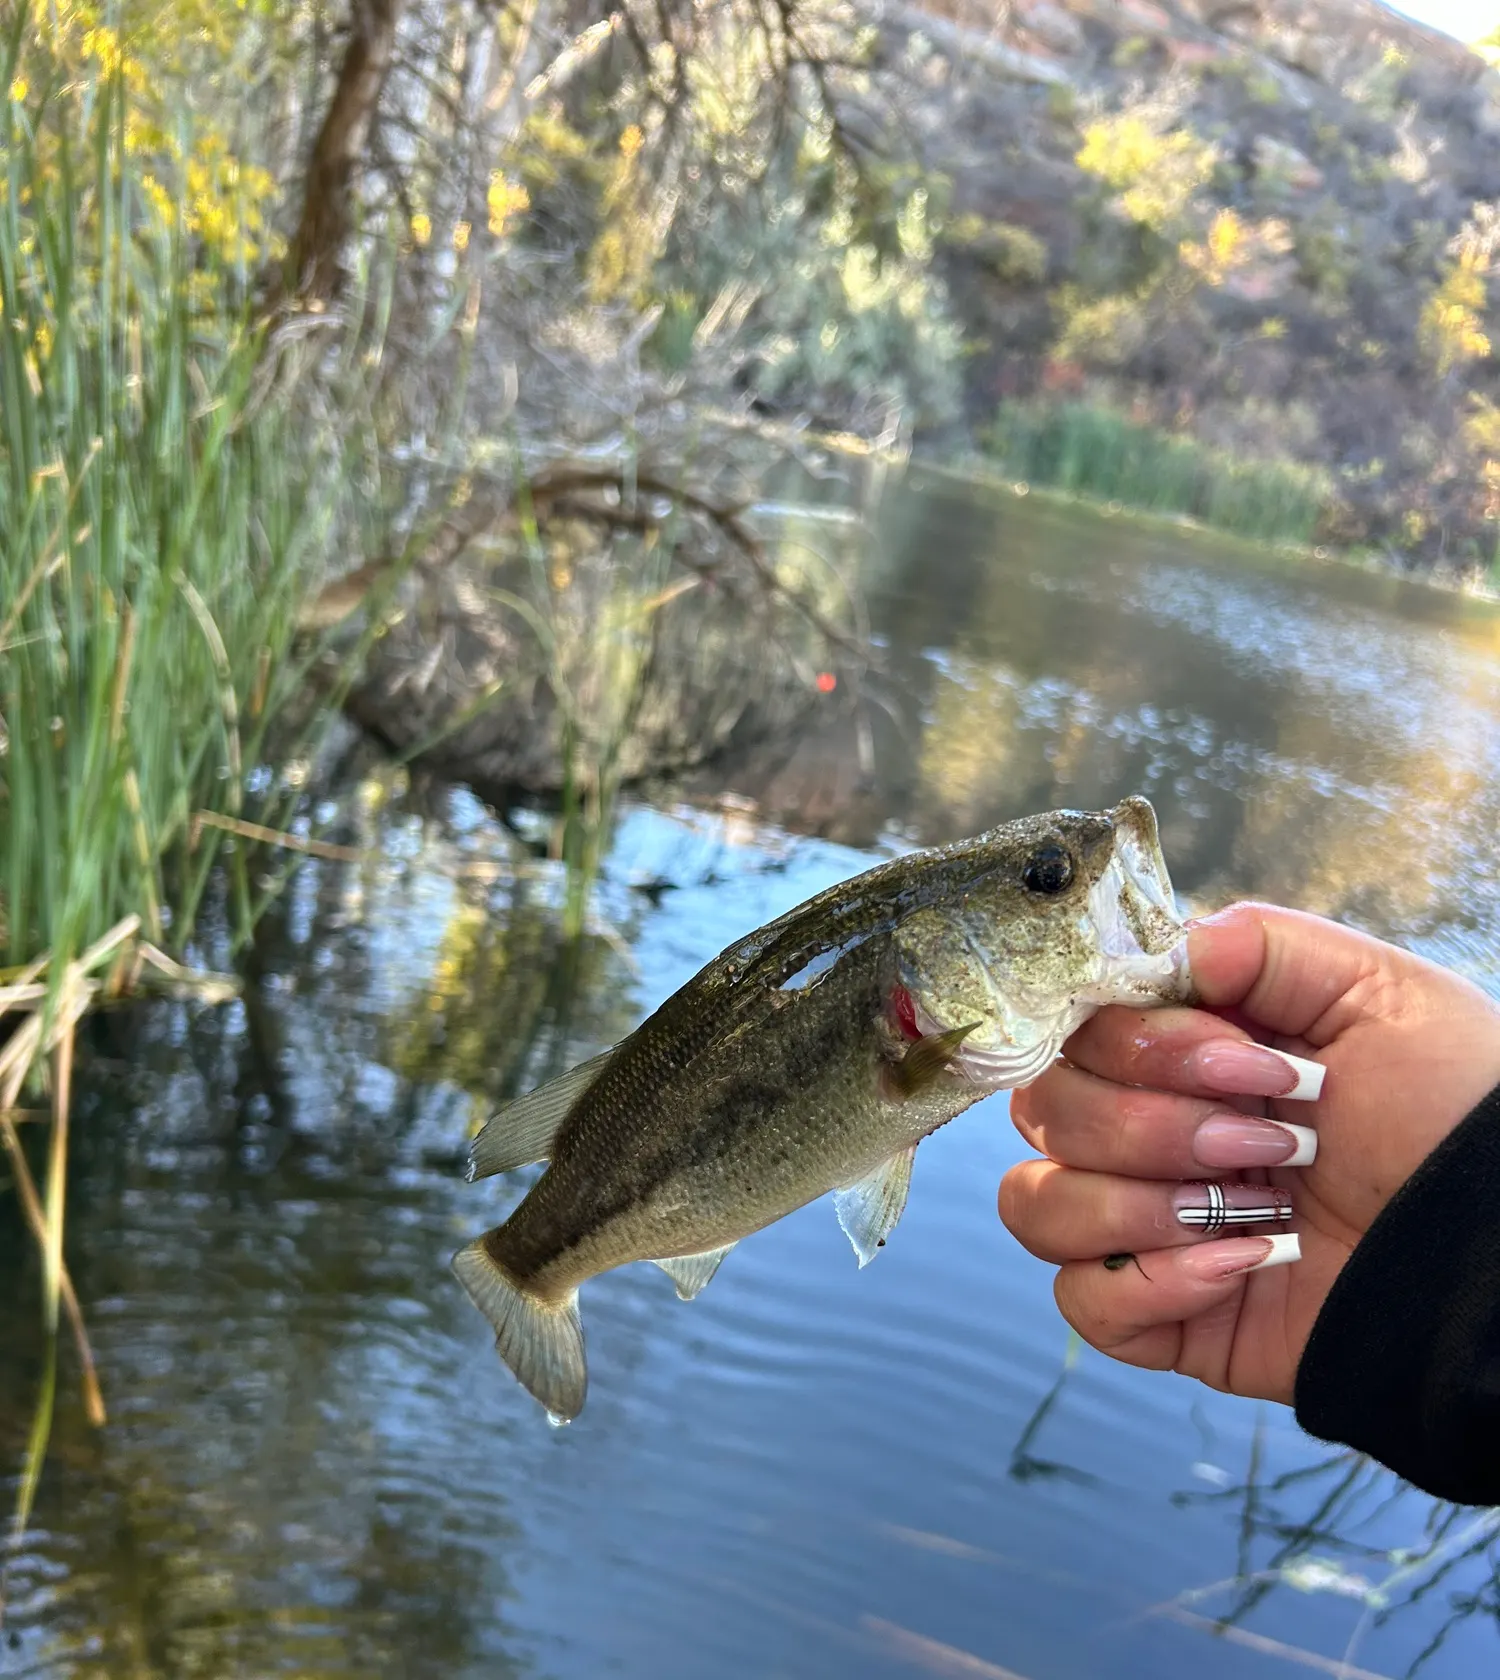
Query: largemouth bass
[814,1056]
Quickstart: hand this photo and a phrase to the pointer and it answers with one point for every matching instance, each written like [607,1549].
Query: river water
[315,1465]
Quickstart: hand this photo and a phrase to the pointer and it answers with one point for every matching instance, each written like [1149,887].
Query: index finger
[1189,1052]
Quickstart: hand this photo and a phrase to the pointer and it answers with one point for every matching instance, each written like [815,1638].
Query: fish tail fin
[542,1345]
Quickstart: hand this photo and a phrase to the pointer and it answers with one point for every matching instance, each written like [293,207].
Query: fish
[813,1056]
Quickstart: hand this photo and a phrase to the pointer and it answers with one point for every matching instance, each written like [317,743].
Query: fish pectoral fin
[869,1208]
[926,1058]
[692,1272]
[522,1131]
[543,1345]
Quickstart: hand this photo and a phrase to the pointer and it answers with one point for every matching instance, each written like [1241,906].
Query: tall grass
[164,510]
[1094,451]
[160,526]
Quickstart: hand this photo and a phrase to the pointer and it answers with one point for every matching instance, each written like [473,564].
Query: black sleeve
[1404,1360]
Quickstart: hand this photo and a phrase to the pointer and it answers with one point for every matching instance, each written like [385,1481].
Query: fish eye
[1048,870]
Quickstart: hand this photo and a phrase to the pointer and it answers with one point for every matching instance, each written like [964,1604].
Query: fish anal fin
[925,1060]
[869,1208]
[522,1131]
[692,1272]
[542,1344]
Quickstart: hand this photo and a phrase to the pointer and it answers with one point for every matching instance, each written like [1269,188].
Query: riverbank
[980,471]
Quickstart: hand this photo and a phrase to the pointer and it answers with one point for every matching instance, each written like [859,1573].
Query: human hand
[1148,1102]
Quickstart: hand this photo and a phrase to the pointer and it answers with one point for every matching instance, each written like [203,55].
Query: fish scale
[724,1148]
[787,1068]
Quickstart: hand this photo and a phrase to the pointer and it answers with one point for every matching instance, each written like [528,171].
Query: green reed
[161,520]
[1094,451]
[166,500]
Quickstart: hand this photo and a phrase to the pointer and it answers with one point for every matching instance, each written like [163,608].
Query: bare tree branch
[313,267]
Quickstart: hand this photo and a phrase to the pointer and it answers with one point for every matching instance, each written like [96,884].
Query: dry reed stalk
[16,1061]
[271,837]
[50,1028]
[31,1207]
[52,1032]
[57,1152]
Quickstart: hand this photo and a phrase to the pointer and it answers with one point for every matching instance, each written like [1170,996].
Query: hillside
[1265,226]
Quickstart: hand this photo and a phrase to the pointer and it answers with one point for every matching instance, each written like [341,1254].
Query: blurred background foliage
[1266,231]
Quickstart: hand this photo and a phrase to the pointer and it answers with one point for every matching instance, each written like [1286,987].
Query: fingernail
[1212,1208]
[1218,1260]
[1242,1140]
[1255,1070]
[1210,918]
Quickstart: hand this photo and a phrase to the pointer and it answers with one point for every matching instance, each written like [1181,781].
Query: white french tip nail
[1286,1246]
[1309,1086]
[1306,1138]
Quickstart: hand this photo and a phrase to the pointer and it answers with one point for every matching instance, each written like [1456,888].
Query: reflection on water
[315,1465]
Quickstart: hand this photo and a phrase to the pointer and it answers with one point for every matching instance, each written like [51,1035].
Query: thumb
[1283,968]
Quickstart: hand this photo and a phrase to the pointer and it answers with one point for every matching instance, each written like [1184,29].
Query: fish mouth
[1131,905]
[1137,956]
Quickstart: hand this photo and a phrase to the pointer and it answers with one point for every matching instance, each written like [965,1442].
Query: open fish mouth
[1141,936]
[1023,991]
[1132,921]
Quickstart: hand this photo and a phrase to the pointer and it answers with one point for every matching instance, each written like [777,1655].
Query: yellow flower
[421,227]
[1450,327]
[103,44]
[1226,235]
[159,199]
[19,88]
[1155,174]
[631,141]
[504,200]
[461,236]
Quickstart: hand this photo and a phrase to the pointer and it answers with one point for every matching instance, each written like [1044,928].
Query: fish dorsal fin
[869,1208]
[691,1272]
[522,1131]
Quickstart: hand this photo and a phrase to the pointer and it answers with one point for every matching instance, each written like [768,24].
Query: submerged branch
[564,484]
